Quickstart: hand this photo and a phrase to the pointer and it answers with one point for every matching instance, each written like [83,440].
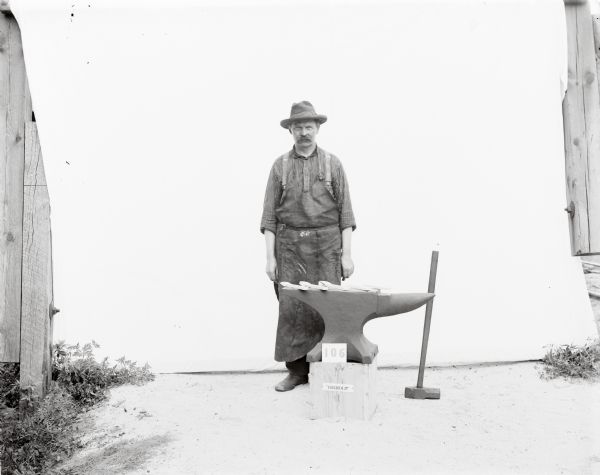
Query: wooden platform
[343,390]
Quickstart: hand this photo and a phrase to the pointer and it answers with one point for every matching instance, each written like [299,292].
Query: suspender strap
[284,166]
[320,162]
[327,168]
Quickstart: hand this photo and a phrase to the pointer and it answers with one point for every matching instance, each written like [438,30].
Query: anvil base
[345,390]
[421,393]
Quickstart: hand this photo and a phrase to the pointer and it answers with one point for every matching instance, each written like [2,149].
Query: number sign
[334,353]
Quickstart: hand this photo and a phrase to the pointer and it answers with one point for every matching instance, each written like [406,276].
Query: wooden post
[581,119]
[15,109]
[37,305]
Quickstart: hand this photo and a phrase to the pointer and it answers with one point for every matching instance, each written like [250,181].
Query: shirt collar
[297,155]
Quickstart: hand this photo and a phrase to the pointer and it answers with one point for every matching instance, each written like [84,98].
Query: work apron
[311,255]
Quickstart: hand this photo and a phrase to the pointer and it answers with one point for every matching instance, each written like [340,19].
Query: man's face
[304,133]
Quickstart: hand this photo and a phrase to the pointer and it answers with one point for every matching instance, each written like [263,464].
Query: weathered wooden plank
[575,147]
[596,31]
[37,270]
[343,390]
[594,163]
[47,369]
[15,108]
[47,365]
[581,115]
[34,173]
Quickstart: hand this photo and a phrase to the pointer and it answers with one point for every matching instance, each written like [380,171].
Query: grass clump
[9,386]
[32,443]
[36,435]
[572,361]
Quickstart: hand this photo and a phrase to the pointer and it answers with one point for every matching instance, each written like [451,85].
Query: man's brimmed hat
[303,111]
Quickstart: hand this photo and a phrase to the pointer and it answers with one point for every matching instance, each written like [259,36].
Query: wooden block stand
[343,390]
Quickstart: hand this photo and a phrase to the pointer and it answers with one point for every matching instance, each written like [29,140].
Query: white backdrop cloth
[159,123]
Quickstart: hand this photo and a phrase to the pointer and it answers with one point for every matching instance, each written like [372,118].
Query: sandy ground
[490,419]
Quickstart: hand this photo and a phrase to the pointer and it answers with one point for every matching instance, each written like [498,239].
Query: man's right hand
[272,269]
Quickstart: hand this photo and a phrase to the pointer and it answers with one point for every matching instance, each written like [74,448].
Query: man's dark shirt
[307,209]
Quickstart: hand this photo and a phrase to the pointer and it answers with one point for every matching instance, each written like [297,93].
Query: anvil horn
[393,304]
[346,312]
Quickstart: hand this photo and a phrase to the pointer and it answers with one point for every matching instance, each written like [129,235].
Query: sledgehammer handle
[428,310]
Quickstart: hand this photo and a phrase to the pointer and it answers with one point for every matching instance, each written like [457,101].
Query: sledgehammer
[419,392]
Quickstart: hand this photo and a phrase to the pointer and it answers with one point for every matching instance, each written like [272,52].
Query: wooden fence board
[53,310]
[47,363]
[581,114]
[596,28]
[37,270]
[15,108]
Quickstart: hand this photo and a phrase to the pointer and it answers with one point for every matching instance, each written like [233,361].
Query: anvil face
[345,313]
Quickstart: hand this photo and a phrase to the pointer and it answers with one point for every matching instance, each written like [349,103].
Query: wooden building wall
[26,297]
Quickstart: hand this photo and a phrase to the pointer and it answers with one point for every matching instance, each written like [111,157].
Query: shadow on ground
[119,457]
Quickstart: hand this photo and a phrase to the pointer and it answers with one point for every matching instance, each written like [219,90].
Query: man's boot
[290,382]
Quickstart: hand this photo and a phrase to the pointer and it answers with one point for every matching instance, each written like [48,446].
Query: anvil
[346,312]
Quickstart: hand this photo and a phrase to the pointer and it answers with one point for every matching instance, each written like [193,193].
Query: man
[307,221]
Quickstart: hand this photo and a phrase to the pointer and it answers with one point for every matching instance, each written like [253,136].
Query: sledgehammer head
[421,393]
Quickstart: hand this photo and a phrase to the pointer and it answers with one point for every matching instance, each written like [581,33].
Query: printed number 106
[334,352]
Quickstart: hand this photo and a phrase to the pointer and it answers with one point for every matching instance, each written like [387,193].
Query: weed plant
[36,435]
[571,361]
[87,380]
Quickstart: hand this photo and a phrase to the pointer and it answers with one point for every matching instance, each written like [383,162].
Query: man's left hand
[347,266]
